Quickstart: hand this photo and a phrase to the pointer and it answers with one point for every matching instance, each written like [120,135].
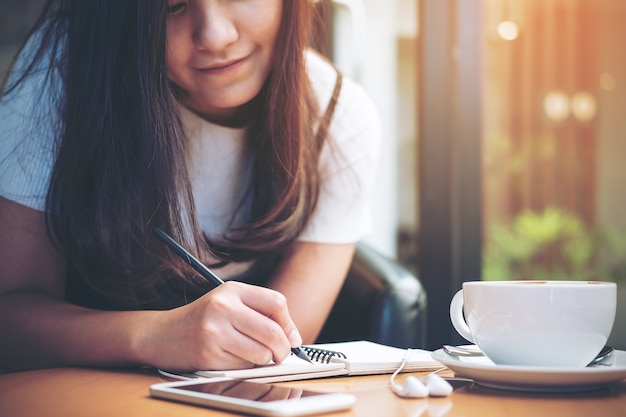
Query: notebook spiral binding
[322,355]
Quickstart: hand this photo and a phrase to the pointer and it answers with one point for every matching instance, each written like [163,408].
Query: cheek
[262,23]
[175,55]
[174,63]
[274,23]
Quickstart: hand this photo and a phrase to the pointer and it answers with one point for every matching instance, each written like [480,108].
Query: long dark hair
[121,171]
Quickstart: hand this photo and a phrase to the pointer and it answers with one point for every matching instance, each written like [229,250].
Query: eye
[176,8]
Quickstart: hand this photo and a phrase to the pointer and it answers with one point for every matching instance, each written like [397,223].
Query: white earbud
[414,387]
[437,386]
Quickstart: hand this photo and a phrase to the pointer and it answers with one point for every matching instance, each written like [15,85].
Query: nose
[215,29]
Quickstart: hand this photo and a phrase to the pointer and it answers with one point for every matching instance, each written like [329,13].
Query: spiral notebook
[330,359]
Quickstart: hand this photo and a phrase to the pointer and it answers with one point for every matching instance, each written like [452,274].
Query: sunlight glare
[556,105]
[508,30]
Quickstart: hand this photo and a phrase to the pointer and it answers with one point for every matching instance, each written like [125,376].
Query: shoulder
[355,129]
[356,118]
[348,160]
[323,77]
[30,124]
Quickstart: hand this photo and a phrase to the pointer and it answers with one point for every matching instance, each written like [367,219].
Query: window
[520,146]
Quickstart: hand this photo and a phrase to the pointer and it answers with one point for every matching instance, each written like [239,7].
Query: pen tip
[301,354]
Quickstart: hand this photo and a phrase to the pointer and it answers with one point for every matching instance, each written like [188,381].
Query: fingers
[250,323]
[228,348]
[267,321]
[265,339]
[273,304]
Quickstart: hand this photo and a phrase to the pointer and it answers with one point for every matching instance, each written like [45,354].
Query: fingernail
[294,338]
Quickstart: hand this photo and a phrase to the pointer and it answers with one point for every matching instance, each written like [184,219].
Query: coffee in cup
[559,324]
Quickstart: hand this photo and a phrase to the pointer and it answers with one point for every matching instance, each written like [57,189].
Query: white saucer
[521,378]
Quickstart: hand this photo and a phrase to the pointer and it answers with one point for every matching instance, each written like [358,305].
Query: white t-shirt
[28,125]
[216,157]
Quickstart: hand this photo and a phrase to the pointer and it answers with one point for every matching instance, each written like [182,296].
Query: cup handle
[456,316]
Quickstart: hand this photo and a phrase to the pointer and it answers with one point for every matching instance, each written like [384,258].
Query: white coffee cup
[560,324]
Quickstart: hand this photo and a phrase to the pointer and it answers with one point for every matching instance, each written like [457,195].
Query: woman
[209,119]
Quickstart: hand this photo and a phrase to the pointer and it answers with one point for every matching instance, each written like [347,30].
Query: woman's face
[220,52]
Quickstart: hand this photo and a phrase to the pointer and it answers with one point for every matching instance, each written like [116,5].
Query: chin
[227,106]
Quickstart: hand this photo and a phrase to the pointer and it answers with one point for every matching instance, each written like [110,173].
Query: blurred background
[504,150]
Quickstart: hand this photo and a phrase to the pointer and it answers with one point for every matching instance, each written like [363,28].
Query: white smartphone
[252,397]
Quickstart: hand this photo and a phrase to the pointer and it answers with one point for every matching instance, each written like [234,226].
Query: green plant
[553,244]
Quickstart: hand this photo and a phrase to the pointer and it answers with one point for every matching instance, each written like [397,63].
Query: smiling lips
[224,66]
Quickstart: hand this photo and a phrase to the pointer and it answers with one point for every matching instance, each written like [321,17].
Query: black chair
[381,301]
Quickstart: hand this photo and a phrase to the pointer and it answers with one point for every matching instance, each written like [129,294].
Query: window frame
[450,51]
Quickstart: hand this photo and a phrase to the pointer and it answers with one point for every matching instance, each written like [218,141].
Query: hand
[234,326]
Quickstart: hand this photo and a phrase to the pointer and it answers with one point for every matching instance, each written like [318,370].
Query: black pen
[203,270]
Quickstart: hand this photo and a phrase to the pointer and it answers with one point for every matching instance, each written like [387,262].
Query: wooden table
[72,392]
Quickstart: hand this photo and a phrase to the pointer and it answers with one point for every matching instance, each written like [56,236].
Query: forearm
[310,277]
[41,331]
[233,326]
